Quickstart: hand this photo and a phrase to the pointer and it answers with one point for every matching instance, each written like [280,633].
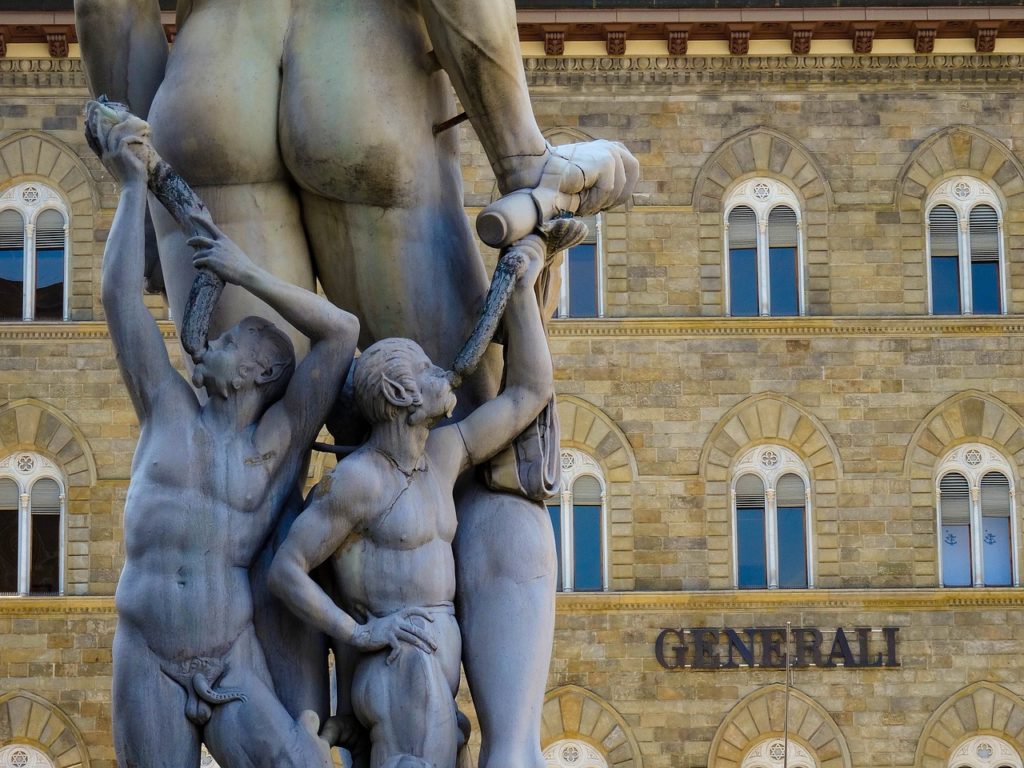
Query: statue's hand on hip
[395,629]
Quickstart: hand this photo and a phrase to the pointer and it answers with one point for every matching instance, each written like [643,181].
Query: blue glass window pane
[792,548]
[782,282]
[956,555]
[586,543]
[985,287]
[945,285]
[12,283]
[995,548]
[583,280]
[750,548]
[743,282]
[50,284]
[556,525]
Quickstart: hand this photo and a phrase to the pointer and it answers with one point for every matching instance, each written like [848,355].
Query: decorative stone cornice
[690,327]
[718,601]
[907,70]
[72,331]
[791,600]
[42,73]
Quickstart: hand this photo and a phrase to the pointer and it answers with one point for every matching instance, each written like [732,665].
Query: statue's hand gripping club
[181,202]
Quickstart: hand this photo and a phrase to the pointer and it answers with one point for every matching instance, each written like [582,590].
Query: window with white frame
[966,270]
[33,254]
[579,517]
[582,275]
[763,251]
[987,751]
[32,504]
[573,753]
[778,753]
[976,520]
[771,520]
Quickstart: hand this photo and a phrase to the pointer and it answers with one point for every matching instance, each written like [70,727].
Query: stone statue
[385,520]
[316,132]
[207,486]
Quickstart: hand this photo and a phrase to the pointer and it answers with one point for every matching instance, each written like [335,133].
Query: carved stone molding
[58,42]
[932,71]
[554,41]
[678,40]
[985,38]
[615,40]
[863,38]
[924,38]
[739,40]
[800,40]
[3,45]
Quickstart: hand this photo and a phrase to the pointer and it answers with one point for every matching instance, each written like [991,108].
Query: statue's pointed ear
[272,373]
[395,393]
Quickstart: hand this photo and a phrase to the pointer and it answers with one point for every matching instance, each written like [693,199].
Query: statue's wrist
[520,171]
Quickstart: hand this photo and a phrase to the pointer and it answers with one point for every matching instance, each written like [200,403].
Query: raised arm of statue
[124,49]
[141,353]
[477,43]
[528,378]
[293,421]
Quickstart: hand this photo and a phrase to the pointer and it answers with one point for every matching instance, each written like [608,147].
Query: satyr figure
[316,131]
[385,522]
[207,485]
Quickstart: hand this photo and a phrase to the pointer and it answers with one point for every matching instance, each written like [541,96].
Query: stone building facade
[781,442]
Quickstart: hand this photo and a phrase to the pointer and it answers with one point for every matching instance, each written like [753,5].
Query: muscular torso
[198,508]
[400,555]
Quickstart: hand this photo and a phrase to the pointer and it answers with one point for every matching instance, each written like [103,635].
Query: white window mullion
[29,298]
[66,314]
[599,262]
[771,535]
[763,293]
[566,537]
[977,534]
[24,543]
[63,542]
[964,246]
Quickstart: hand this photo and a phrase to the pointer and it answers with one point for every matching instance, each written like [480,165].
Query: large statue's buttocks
[359,99]
[214,117]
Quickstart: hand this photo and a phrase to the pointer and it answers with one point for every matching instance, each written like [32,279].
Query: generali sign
[769,647]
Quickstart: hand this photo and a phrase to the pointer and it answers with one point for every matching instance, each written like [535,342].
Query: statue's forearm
[124,49]
[311,314]
[477,43]
[304,597]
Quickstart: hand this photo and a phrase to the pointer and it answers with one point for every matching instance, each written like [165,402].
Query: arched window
[579,519]
[771,520]
[573,753]
[985,752]
[23,756]
[32,505]
[33,254]
[966,273]
[582,273]
[976,519]
[763,251]
[776,753]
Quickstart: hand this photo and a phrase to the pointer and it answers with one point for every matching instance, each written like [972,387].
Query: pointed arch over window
[966,272]
[579,518]
[976,518]
[32,512]
[34,269]
[771,520]
[764,254]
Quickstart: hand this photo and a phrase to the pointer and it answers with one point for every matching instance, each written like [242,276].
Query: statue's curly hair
[387,359]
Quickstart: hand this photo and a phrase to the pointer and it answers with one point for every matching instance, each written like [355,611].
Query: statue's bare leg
[150,727]
[382,204]
[258,732]
[408,704]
